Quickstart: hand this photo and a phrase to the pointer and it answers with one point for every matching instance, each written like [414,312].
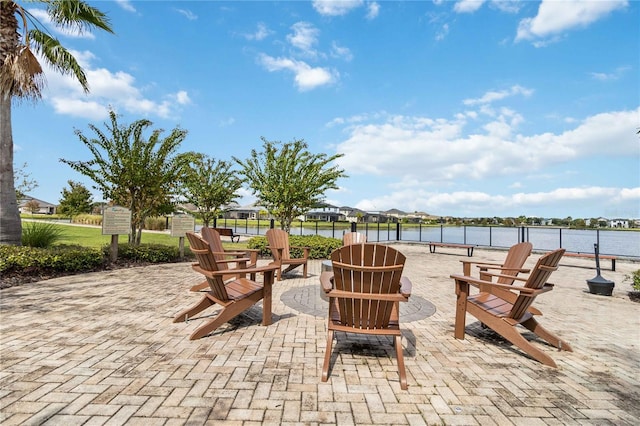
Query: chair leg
[397,341]
[203,304]
[461,309]
[327,356]
[226,314]
[512,334]
[304,271]
[546,335]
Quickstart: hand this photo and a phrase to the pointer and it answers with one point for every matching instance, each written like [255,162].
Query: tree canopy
[75,200]
[132,171]
[209,185]
[287,179]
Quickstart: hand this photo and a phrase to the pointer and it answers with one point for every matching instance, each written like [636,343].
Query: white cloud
[306,77]
[187,14]
[182,97]
[107,89]
[261,32]
[442,147]
[336,7]
[373,10]
[493,96]
[338,51]
[444,30]
[126,5]
[468,6]
[556,17]
[304,37]
[615,75]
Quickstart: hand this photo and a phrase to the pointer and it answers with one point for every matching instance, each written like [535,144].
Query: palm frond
[57,56]
[77,15]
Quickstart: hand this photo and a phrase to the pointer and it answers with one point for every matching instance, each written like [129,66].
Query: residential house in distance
[324,212]
[31,205]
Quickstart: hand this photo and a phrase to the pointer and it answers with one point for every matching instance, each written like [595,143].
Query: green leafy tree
[21,77]
[288,180]
[140,174]
[209,185]
[75,200]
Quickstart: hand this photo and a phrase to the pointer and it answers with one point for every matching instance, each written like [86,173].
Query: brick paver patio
[101,349]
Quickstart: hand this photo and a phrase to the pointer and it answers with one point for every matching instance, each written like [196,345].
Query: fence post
[272,223]
[353,226]
[397,231]
[215,222]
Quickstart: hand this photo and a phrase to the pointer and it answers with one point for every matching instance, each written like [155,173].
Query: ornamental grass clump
[38,234]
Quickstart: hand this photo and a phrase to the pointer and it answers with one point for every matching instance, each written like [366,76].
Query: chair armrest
[234,260]
[489,285]
[196,267]
[405,286]
[326,281]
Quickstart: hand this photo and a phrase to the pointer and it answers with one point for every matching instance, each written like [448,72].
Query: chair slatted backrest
[207,262]
[353,238]
[279,238]
[516,257]
[212,237]
[537,279]
[363,275]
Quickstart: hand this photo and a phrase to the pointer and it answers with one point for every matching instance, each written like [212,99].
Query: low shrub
[40,234]
[320,247]
[635,279]
[57,259]
[148,253]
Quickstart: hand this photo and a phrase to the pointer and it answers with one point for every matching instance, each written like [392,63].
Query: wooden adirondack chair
[279,245]
[502,311]
[511,267]
[234,297]
[243,259]
[364,290]
[353,238]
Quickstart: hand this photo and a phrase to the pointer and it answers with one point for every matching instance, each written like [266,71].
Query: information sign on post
[116,220]
[180,224]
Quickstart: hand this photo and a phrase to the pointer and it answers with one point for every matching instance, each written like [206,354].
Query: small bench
[433,245]
[593,256]
[228,232]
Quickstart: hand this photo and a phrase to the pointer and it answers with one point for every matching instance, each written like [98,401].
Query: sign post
[180,224]
[116,220]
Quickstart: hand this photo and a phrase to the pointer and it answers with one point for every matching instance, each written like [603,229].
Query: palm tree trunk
[10,224]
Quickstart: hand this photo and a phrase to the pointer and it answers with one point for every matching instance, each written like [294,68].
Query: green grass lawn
[92,237]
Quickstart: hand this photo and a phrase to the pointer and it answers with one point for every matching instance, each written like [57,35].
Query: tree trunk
[10,224]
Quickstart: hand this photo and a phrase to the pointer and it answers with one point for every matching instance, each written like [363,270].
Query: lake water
[617,243]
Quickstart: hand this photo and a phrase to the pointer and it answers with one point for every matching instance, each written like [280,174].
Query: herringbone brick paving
[101,349]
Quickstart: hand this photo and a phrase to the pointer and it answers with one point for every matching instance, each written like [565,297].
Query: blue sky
[461,108]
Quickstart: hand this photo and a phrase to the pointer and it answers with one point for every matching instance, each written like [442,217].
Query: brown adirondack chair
[279,245]
[243,259]
[502,311]
[511,267]
[234,297]
[364,290]
[353,238]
